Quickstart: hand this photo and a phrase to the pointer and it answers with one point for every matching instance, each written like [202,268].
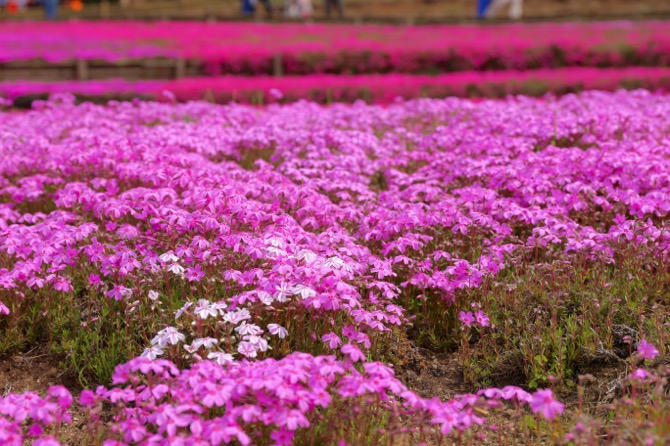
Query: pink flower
[194,274]
[282,437]
[466,318]
[353,352]
[295,419]
[332,339]
[275,94]
[641,374]
[94,279]
[543,402]
[87,398]
[62,284]
[646,350]
[118,292]
[482,319]
[3,308]
[46,441]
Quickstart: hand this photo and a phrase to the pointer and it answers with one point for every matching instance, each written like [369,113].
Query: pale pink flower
[277,330]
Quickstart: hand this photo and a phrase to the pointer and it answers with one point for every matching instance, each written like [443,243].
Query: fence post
[82,69]
[277,65]
[180,68]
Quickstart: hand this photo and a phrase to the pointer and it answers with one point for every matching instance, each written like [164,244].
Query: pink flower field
[261,63]
[249,48]
[423,272]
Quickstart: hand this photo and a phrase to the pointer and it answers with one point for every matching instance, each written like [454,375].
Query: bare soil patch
[36,370]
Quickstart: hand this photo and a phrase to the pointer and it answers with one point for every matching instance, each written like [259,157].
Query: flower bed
[250,49]
[371,88]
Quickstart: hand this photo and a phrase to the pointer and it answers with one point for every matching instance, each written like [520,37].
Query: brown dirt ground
[36,370]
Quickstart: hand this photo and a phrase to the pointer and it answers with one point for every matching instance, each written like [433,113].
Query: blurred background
[398,11]
[263,51]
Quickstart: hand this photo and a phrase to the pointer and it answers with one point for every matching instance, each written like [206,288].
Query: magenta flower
[118,292]
[62,284]
[282,437]
[466,318]
[640,374]
[543,402]
[275,94]
[332,339]
[46,441]
[482,319]
[194,274]
[646,350]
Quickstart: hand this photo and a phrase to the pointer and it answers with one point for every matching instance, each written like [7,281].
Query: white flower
[248,329]
[191,348]
[168,335]
[204,309]
[276,252]
[258,342]
[221,358]
[247,349]
[173,337]
[276,242]
[181,311]
[334,262]
[220,306]
[176,268]
[307,256]
[151,353]
[277,330]
[205,342]
[153,295]
[283,291]
[235,317]
[168,257]
[265,297]
[304,291]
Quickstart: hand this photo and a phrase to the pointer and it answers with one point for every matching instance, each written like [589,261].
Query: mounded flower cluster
[224,239]
[260,402]
[27,415]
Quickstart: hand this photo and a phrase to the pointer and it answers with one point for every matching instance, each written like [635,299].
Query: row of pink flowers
[371,88]
[155,403]
[261,402]
[246,48]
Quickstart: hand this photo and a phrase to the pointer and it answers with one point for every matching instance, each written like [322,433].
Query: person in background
[298,9]
[267,4]
[249,7]
[487,9]
[336,4]
[51,9]
[291,9]
[13,6]
[482,7]
[515,8]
